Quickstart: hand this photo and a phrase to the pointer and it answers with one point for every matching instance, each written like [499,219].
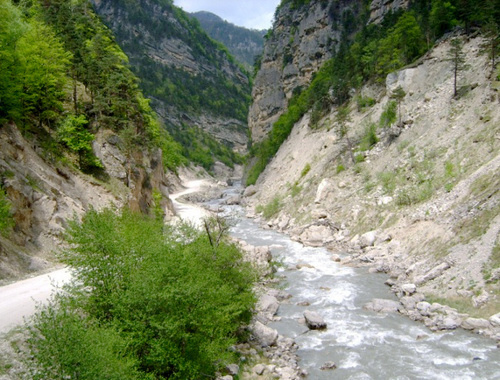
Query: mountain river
[363,344]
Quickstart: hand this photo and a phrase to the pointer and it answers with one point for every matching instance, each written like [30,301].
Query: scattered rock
[268,304]
[259,369]
[234,200]
[264,334]
[328,366]
[250,190]
[409,289]
[433,273]
[382,306]
[314,321]
[324,188]
[495,320]
[367,239]
[475,324]
[233,369]
[336,258]
[304,303]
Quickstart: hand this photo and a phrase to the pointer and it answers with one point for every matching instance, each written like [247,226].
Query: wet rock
[280,295]
[382,306]
[314,321]
[304,303]
[409,289]
[336,258]
[424,308]
[475,324]
[250,190]
[264,334]
[304,265]
[328,366]
[495,320]
[268,304]
[234,200]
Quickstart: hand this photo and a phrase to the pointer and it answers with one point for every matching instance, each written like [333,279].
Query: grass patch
[370,138]
[364,102]
[271,208]
[307,169]
[340,168]
[295,189]
[464,305]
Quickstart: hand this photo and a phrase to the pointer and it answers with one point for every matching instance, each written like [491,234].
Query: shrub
[340,168]
[271,208]
[364,102]
[6,221]
[157,301]
[370,137]
[307,169]
[389,114]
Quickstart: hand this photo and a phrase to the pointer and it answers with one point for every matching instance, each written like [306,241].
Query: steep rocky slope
[190,78]
[44,197]
[421,205]
[245,44]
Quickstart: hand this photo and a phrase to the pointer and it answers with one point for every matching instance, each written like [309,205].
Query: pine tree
[398,95]
[456,56]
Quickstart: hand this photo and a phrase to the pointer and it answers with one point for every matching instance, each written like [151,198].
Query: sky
[252,14]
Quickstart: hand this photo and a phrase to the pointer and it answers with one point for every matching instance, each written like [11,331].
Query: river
[363,344]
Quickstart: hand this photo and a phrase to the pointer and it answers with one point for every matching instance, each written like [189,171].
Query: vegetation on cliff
[148,302]
[373,52]
[62,78]
[183,70]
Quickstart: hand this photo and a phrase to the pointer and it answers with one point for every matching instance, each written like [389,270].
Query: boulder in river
[328,366]
[382,305]
[268,304]
[314,321]
[249,191]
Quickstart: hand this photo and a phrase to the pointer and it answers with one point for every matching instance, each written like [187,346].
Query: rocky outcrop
[45,196]
[298,45]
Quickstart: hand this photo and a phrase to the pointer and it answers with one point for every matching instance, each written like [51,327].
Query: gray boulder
[382,306]
[249,191]
[476,324]
[268,304]
[266,336]
[314,321]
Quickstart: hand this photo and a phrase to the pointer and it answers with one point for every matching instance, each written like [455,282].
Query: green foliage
[442,17]
[271,208]
[340,168]
[369,138]
[153,301]
[73,133]
[307,169]
[364,102]
[6,221]
[398,95]
[457,58]
[295,189]
[389,115]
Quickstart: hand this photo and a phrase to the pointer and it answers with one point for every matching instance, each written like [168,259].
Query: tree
[442,17]
[457,57]
[43,73]
[73,133]
[398,95]
[491,35]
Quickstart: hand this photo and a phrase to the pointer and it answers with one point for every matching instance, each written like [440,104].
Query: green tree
[398,95]
[73,133]
[442,17]
[456,56]
[43,67]
[491,35]
[162,301]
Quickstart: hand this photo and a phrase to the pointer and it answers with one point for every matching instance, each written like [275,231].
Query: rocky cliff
[302,39]
[190,78]
[421,204]
[44,197]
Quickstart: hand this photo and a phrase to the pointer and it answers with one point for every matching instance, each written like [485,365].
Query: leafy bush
[155,302]
[271,208]
[340,168]
[369,138]
[364,102]
[389,115]
[6,221]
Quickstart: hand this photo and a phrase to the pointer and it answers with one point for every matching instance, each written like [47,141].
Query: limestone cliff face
[300,42]
[45,196]
[186,74]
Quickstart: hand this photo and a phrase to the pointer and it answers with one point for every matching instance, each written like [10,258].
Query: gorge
[373,157]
